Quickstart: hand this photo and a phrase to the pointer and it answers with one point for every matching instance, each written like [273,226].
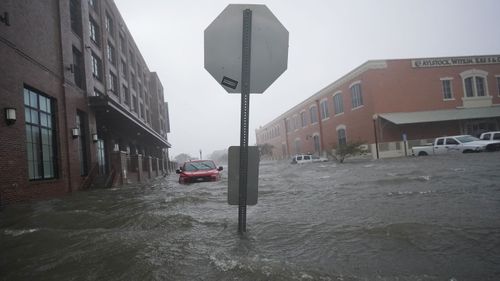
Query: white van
[307,158]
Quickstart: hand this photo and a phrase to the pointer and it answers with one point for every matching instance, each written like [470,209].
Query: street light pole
[375,118]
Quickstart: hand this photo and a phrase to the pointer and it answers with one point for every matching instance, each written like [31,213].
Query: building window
[96,67]
[446,87]
[110,50]
[356,95]
[133,81]
[113,83]
[341,136]
[317,144]
[313,112]
[75,10]
[124,69]
[498,85]
[109,24]
[338,104]
[93,4]
[97,93]
[297,146]
[288,125]
[324,109]
[122,43]
[40,135]
[303,117]
[134,103]
[78,72]
[475,83]
[94,31]
[296,122]
[126,95]
[131,59]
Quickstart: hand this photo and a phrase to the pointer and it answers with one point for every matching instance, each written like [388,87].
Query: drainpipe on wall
[65,134]
[320,128]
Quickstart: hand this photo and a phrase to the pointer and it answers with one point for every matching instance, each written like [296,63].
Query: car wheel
[422,153]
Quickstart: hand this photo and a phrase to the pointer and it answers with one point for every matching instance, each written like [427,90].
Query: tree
[344,151]
[183,157]
[266,149]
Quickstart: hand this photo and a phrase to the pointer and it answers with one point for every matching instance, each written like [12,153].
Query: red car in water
[198,171]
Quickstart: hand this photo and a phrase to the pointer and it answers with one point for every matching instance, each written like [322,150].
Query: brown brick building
[88,110]
[412,99]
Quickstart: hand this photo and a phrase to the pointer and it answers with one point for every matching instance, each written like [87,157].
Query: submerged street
[418,218]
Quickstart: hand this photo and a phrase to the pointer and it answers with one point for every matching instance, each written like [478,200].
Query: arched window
[475,83]
[317,145]
[313,112]
[338,104]
[297,146]
[324,109]
[341,135]
[356,94]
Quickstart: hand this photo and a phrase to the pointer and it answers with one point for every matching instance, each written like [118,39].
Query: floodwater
[426,218]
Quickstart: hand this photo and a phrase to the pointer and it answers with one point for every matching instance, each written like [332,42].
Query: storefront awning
[105,103]
[400,118]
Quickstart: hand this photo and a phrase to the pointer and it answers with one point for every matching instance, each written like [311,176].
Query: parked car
[490,136]
[460,144]
[198,171]
[307,158]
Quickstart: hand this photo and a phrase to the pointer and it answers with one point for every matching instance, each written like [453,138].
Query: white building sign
[441,62]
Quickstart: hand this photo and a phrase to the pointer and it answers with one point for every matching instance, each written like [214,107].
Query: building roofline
[369,65]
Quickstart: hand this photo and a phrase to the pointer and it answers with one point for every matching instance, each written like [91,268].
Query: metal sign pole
[245,112]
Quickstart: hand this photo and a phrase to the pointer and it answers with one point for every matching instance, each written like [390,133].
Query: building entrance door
[101,159]
[476,128]
[316,144]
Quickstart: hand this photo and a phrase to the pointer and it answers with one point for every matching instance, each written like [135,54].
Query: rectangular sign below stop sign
[223,48]
[234,177]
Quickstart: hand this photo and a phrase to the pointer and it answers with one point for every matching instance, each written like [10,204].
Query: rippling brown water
[432,218]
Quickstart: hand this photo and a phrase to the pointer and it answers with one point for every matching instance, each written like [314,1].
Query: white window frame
[341,127]
[319,142]
[497,78]
[303,118]
[96,66]
[356,97]
[288,125]
[341,104]
[111,53]
[296,122]
[314,119]
[473,73]
[94,31]
[297,145]
[324,113]
[452,96]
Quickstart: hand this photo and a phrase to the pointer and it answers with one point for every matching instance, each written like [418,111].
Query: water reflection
[433,218]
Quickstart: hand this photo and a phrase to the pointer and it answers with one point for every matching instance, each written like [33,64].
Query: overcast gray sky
[327,40]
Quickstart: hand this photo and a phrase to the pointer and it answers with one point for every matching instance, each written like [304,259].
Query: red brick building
[88,110]
[389,101]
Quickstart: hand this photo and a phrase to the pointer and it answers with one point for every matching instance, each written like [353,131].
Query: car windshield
[200,165]
[464,139]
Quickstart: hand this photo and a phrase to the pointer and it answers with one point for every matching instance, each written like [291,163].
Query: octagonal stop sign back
[223,48]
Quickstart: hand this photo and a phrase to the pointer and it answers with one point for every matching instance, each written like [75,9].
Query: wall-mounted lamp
[95,137]
[10,115]
[71,68]
[75,132]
